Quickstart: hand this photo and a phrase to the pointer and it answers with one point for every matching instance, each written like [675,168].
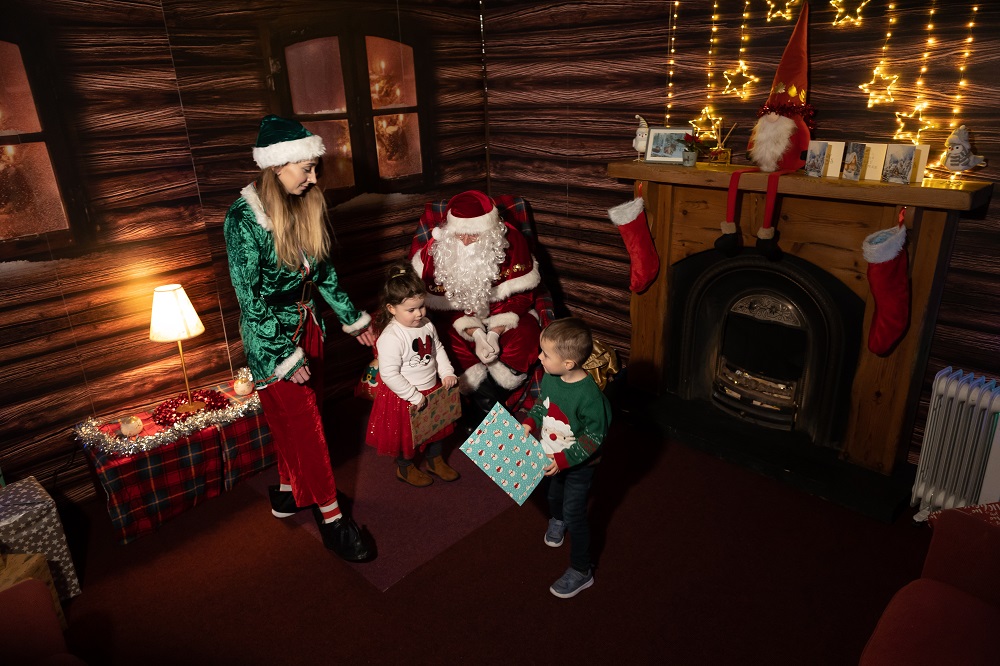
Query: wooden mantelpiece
[823,221]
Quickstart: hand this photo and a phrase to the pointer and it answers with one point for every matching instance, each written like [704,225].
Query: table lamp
[174,319]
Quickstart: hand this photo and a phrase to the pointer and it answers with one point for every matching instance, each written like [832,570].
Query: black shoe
[282,503]
[345,538]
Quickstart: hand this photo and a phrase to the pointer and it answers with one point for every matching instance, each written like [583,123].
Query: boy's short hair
[571,337]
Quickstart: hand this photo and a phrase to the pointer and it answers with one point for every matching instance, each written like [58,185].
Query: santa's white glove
[486,352]
[494,339]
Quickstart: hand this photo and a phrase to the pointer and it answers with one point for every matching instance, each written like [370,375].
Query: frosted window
[390,74]
[29,196]
[337,168]
[315,76]
[397,138]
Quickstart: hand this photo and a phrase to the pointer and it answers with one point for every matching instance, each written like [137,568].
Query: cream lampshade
[173,320]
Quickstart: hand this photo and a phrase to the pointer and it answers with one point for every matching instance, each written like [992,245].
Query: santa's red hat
[471,212]
[780,138]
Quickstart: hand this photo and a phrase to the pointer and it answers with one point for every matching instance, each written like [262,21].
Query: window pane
[337,169]
[315,77]
[17,107]
[390,73]
[29,198]
[397,138]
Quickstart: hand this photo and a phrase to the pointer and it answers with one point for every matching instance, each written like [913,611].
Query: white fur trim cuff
[298,150]
[883,245]
[471,379]
[729,227]
[504,376]
[765,233]
[283,368]
[472,225]
[361,324]
[463,323]
[626,212]
[505,320]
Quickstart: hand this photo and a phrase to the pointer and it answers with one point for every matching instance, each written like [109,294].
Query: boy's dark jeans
[568,491]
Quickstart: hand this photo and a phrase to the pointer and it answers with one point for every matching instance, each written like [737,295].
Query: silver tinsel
[90,434]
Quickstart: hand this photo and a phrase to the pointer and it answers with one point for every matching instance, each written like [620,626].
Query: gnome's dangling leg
[767,235]
[890,285]
[729,242]
[630,218]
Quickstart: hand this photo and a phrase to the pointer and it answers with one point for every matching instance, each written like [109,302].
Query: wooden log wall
[567,78]
[164,100]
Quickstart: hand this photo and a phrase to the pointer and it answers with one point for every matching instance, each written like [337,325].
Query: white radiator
[960,455]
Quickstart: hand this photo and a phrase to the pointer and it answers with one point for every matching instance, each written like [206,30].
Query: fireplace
[709,328]
[773,344]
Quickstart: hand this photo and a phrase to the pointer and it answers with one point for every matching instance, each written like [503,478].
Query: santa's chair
[513,210]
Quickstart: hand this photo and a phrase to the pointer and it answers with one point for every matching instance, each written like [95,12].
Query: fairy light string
[672,34]
[739,78]
[785,13]
[706,125]
[879,89]
[910,124]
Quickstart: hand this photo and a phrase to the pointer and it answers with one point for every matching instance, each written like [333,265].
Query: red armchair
[951,614]
[30,631]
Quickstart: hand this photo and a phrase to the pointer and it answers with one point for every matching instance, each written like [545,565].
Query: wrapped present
[500,447]
[602,364]
[29,524]
[443,407]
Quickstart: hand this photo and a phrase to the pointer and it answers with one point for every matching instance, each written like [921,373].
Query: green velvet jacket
[267,292]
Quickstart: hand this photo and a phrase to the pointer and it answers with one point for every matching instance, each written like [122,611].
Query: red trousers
[293,416]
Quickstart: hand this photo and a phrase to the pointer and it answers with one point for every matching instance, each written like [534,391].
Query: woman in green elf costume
[278,245]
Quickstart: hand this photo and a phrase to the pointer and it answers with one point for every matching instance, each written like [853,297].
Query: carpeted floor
[410,525]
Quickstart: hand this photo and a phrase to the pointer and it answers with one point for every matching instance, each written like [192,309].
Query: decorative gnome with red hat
[779,141]
[630,218]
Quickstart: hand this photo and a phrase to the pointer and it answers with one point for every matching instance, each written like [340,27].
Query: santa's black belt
[292,296]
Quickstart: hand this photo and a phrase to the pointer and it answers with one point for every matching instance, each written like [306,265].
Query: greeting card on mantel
[501,448]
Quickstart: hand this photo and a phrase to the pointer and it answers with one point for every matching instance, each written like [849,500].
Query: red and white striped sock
[331,512]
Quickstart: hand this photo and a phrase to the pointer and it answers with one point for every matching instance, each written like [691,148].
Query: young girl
[410,359]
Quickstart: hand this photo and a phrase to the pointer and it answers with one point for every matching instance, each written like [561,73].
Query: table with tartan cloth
[149,487]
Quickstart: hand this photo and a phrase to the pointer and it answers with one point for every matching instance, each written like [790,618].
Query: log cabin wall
[567,78]
[162,100]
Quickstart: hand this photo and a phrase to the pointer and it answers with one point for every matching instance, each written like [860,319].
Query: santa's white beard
[467,272]
[770,139]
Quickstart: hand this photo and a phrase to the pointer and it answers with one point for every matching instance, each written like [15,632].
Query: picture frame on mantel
[665,145]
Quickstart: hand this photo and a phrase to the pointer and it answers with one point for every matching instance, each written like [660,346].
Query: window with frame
[36,179]
[360,91]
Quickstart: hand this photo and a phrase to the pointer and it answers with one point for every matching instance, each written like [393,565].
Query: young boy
[571,417]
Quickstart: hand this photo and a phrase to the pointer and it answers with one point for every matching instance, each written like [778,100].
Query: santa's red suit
[490,328]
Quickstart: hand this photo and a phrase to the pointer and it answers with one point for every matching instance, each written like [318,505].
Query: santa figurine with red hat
[481,276]
[779,141]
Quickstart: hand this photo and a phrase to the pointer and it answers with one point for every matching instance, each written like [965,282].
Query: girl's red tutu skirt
[389,424]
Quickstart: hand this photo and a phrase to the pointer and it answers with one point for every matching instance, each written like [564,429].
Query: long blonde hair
[299,221]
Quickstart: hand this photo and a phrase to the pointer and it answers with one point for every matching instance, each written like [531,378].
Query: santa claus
[481,277]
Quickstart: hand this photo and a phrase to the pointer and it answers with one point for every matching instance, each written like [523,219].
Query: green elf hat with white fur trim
[281,141]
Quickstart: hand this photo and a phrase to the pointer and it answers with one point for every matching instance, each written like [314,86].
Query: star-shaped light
[705,125]
[738,79]
[879,89]
[845,14]
[911,124]
[785,13]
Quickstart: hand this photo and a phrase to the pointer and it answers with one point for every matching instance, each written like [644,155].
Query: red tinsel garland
[166,414]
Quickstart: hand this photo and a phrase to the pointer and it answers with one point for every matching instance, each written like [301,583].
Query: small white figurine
[959,155]
[641,137]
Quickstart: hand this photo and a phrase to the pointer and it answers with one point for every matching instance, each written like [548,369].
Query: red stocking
[630,218]
[890,285]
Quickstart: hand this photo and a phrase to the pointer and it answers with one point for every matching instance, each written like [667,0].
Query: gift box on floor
[29,524]
[150,487]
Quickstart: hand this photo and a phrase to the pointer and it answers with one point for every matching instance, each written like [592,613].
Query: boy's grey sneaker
[571,583]
[555,533]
